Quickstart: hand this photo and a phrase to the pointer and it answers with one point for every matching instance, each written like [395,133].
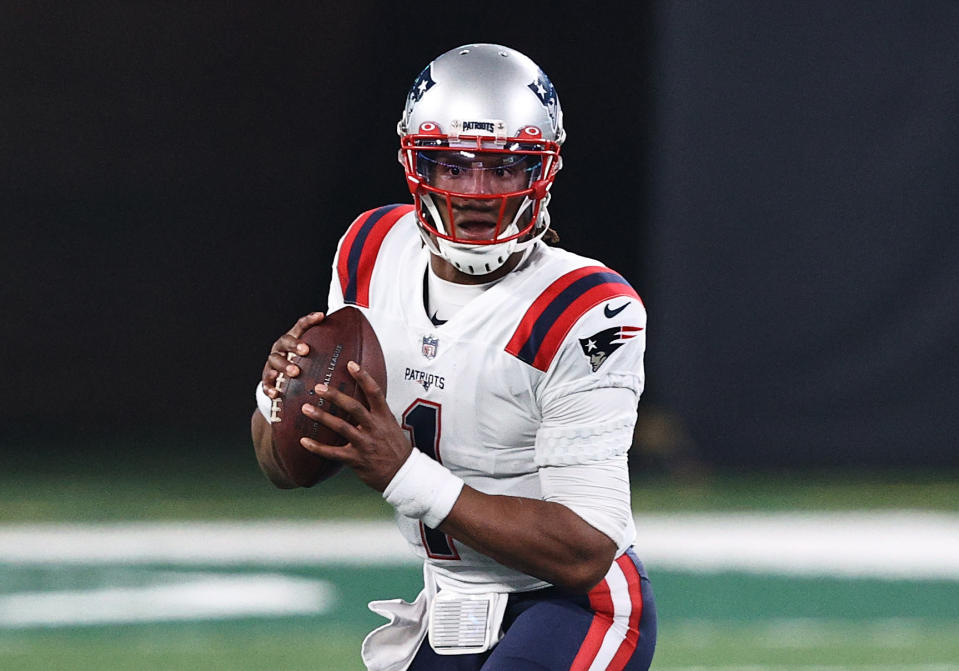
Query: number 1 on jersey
[422,420]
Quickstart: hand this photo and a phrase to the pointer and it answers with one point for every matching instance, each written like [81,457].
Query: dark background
[778,180]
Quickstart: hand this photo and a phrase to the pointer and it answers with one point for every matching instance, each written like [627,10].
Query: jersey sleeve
[590,392]
[589,398]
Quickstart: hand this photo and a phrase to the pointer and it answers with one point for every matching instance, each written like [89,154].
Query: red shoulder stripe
[360,247]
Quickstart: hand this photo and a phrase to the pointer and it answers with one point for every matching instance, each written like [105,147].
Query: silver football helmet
[479,141]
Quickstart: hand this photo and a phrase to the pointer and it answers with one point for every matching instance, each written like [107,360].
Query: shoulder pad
[359,248]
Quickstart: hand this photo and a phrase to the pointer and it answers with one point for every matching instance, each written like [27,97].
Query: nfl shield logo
[429,346]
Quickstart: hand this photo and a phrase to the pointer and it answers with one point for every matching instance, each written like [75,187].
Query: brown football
[343,336]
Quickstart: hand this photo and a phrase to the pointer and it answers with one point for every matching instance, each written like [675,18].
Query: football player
[514,368]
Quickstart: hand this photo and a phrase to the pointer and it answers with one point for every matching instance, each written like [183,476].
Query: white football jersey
[488,393]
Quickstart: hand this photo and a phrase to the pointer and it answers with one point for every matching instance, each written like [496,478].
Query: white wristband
[423,489]
[263,402]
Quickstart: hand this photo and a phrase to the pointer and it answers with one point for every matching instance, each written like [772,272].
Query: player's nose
[479,182]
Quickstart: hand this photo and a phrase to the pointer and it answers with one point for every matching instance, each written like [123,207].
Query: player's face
[479,174]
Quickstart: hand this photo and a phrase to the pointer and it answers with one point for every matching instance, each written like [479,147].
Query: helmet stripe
[358,252]
[542,329]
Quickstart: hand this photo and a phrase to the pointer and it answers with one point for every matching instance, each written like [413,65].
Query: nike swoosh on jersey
[612,313]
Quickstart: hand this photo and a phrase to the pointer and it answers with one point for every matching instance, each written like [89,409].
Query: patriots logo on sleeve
[599,346]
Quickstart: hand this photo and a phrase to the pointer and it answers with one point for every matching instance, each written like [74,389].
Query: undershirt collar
[443,299]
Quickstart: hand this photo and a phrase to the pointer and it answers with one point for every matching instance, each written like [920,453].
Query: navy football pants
[612,628]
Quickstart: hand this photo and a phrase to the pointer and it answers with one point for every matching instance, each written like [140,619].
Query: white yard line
[169,597]
[898,544]
[282,541]
[902,544]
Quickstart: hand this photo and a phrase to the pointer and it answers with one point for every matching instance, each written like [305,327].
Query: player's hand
[281,363]
[376,446]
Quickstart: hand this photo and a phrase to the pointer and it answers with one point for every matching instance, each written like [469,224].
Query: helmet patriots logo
[599,346]
[543,88]
[422,84]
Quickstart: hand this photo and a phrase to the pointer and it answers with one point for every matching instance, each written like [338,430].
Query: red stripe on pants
[628,646]
[602,604]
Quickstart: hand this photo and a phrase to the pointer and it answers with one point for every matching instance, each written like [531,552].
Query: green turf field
[728,619]
[720,621]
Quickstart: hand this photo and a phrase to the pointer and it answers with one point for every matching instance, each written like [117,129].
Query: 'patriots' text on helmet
[479,141]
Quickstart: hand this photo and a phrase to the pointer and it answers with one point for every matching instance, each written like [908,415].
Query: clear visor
[474,172]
